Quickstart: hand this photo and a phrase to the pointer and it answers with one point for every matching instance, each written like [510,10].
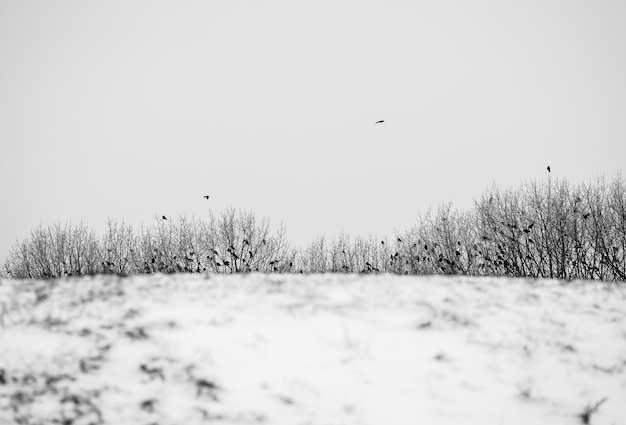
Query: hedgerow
[547,229]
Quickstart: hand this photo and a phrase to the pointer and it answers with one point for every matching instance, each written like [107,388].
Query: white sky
[130,109]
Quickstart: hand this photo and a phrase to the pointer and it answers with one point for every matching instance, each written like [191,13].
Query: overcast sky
[131,109]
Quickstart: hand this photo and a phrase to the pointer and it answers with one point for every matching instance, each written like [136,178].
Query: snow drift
[318,349]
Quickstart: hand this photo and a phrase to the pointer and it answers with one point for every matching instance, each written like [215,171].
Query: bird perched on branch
[164,218]
[206,196]
[548,168]
[379,122]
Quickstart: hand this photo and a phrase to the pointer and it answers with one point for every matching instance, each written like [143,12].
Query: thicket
[542,229]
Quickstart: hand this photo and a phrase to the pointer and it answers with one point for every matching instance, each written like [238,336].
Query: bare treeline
[549,229]
[231,243]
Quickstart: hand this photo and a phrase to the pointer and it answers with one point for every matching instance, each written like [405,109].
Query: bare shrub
[314,258]
[238,243]
[446,242]
[553,230]
[54,251]
[119,249]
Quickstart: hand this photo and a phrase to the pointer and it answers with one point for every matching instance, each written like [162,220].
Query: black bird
[206,196]
[548,168]
[164,218]
[379,122]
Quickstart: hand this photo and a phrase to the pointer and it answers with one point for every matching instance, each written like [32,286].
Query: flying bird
[548,168]
[379,122]
[206,196]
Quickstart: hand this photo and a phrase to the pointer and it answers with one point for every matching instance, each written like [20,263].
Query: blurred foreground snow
[324,349]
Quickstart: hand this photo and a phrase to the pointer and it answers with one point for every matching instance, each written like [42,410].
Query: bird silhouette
[164,218]
[379,122]
[206,196]
[548,168]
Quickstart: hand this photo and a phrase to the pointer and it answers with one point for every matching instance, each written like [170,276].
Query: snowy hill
[324,349]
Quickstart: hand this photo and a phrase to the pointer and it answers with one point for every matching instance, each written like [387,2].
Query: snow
[319,349]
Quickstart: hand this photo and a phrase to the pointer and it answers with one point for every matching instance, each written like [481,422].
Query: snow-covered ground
[325,349]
